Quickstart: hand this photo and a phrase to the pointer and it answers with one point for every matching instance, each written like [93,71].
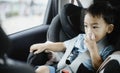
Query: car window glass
[18,15]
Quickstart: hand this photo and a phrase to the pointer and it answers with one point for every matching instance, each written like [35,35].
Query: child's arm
[40,47]
[93,50]
[96,58]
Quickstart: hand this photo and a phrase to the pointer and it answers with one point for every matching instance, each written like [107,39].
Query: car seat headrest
[4,42]
[70,17]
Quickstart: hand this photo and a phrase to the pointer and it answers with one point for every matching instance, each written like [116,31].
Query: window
[18,15]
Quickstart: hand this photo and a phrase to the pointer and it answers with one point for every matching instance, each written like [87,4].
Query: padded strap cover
[115,57]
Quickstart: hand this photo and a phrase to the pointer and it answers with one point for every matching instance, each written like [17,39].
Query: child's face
[96,26]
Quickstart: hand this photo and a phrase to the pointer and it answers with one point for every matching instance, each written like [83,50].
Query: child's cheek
[96,38]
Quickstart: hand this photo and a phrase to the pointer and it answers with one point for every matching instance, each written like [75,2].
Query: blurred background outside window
[18,15]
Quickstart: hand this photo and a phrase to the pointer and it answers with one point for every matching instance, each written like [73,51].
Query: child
[95,43]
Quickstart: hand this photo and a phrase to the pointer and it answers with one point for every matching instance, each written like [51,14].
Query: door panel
[22,41]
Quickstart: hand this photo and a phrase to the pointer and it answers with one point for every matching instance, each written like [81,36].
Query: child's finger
[36,52]
[93,36]
[88,36]
[32,48]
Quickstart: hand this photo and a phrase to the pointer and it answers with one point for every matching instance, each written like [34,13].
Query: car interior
[62,21]
[8,65]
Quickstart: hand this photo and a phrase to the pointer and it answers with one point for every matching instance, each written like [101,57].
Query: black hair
[110,16]
[104,10]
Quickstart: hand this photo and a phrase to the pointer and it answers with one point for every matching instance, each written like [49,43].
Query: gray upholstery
[111,64]
[65,25]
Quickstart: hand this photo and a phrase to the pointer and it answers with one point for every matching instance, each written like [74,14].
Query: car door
[22,40]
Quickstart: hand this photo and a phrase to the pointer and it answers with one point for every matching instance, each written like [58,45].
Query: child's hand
[90,42]
[38,48]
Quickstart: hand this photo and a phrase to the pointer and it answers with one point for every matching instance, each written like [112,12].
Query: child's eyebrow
[94,23]
[91,23]
[85,23]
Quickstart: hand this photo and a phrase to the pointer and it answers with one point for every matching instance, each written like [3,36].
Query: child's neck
[102,43]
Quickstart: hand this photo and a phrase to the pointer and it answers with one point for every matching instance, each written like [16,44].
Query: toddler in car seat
[90,49]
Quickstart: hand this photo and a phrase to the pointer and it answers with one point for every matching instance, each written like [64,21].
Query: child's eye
[85,26]
[95,27]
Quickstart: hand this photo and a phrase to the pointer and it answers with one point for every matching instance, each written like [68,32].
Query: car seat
[8,65]
[111,64]
[64,26]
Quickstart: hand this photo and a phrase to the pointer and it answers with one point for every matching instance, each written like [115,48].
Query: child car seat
[111,64]
[65,25]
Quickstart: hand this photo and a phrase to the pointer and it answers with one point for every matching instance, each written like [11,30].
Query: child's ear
[110,28]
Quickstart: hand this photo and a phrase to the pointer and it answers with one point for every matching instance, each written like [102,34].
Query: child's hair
[110,16]
[104,10]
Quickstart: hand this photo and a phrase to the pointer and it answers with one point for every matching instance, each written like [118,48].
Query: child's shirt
[104,49]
